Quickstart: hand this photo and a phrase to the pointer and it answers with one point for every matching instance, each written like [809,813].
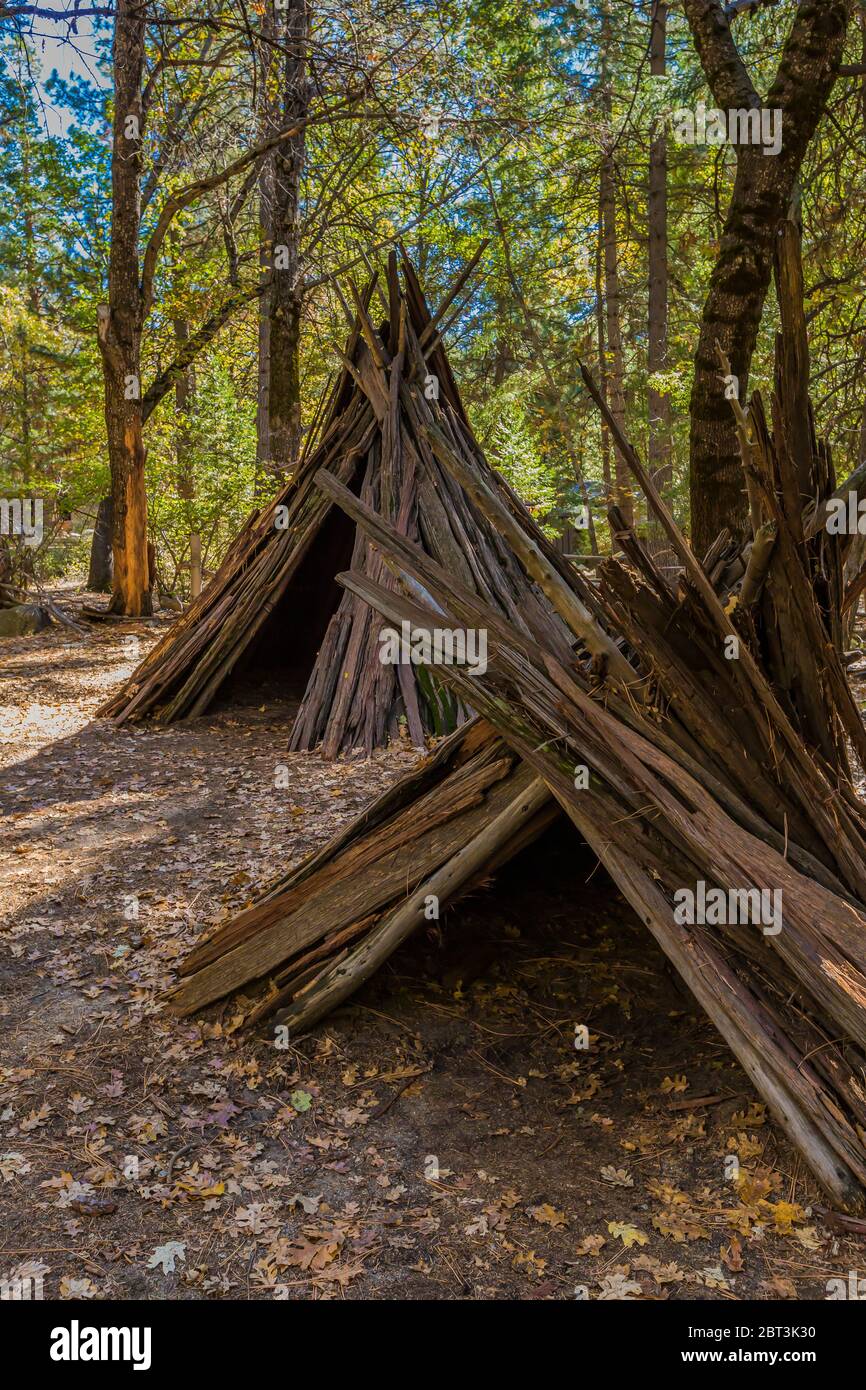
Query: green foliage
[507,424]
[222,460]
[486,119]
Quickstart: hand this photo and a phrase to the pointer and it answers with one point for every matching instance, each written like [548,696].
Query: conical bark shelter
[708,769]
[274,605]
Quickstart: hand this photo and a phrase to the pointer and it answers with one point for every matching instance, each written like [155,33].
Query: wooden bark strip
[395,874]
[341,980]
[283,990]
[465,788]
[759,562]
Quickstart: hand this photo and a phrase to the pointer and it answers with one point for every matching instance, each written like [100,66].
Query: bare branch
[182,199]
[196,344]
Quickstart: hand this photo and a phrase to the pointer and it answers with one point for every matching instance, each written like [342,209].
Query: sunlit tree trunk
[119,322]
[286,299]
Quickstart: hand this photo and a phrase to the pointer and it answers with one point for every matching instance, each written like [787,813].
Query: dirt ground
[444,1136]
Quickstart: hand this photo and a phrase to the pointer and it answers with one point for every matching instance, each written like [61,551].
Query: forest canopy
[579,141]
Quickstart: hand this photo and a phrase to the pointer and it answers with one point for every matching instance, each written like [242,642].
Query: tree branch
[723,67]
[808,67]
[182,199]
[195,344]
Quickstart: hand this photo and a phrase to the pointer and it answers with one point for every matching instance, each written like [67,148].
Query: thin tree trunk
[658,402]
[268,110]
[284,400]
[119,323]
[622,492]
[602,356]
[33,299]
[99,577]
[184,399]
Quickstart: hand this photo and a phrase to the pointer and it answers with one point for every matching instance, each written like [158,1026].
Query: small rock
[22,619]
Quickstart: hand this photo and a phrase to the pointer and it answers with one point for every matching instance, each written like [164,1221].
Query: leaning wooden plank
[463,789]
[340,902]
[336,984]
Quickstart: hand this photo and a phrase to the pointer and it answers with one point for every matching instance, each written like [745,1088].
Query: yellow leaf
[629,1235]
[784,1215]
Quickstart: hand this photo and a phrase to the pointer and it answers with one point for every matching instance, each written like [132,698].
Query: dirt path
[443,1137]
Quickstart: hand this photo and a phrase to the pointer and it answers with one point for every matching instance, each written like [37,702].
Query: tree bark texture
[119,323]
[763,188]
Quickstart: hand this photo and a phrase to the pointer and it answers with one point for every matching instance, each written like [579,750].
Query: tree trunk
[763,188]
[119,323]
[184,399]
[602,356]
[286,299]
[731,317]
[658,402]
[615,366]
[99,576]
[194,565]
[267,125]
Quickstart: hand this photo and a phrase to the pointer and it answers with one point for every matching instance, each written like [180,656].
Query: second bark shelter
[275,605]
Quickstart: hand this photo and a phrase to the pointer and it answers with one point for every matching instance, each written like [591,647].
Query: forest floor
[440,1137]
